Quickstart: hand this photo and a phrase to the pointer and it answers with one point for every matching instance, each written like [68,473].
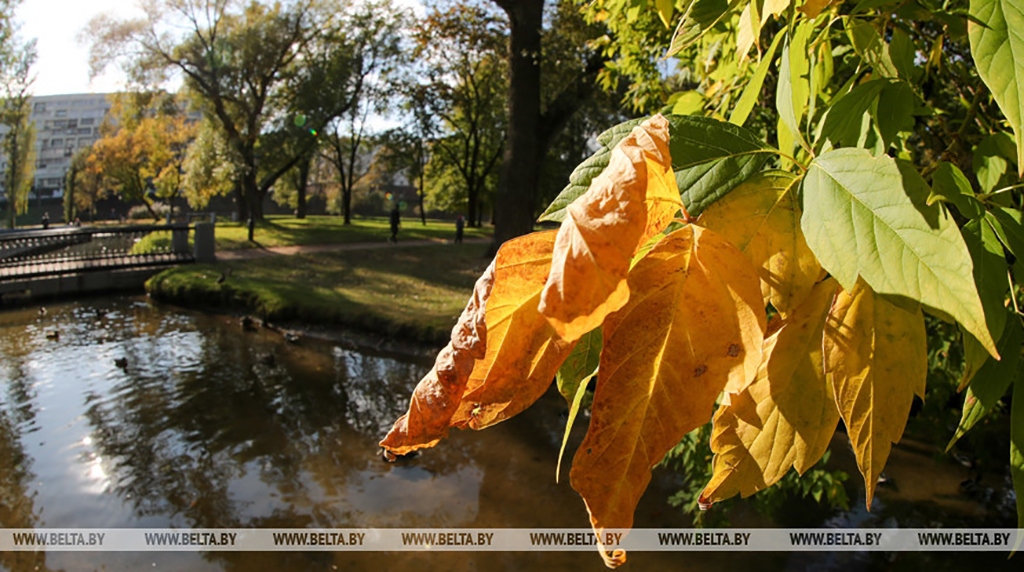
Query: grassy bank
[290,231]
[409,293]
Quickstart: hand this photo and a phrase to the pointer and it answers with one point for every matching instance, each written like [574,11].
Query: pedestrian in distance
[460,225]
[46,220]
[396,221]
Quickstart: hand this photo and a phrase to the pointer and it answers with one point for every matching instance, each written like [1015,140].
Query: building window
[86,121]
[56,142]
[61,113]
[40,108]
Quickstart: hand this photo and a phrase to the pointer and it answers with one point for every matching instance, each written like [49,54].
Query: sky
[63,64]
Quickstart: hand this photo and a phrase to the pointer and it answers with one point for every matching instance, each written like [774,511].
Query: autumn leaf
[502,357]
[876,359]
[438,395]
[693,327]
[633,199]
[762,218]
[812,8]
[749,30]
[786,417]
[523,351]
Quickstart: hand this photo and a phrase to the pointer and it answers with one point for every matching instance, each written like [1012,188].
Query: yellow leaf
[633,199]
[786,417]
[523,351]
[665,9]
[438,395]
[812,8]
[692,328]
[876,358]
[749,30]
[762,218]
[773,8]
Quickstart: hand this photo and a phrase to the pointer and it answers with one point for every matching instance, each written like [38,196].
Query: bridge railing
[35,253]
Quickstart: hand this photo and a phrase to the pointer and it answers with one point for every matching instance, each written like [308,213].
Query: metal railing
[35,253]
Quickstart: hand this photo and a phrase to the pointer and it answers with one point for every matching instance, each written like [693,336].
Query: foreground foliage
[682,235]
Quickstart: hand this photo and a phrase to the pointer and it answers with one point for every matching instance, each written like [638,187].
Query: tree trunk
[473,208]
[520,174]
[423,212]
[251,198]
[346,204]
[300,206]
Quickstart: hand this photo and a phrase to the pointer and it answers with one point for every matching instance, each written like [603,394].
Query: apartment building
[64,124]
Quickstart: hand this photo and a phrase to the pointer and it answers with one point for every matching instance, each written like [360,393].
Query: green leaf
[844,122]
[793,88]
[950,185]
[686,102]
[748,98]
[870,47]
[999,57]
[1008,226]
[610,137]
[1017,451]
[581,364]
[990,277]
[902,52]
[991,163]
[584,173]
[992,380]
[895,111]
[699,16]
[709,157]
[865,217]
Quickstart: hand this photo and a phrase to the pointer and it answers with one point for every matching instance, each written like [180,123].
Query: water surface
[115,413]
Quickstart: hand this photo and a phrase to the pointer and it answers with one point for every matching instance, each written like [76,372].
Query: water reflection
[114,413]
[118,414]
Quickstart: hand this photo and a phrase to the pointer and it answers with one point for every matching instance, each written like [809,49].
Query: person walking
[396,221]
[460,225]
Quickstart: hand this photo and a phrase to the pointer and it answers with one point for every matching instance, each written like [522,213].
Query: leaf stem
[1013,293]
[985,196]
[789,157]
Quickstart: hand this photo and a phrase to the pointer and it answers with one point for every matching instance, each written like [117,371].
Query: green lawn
[290,231]
[413,293]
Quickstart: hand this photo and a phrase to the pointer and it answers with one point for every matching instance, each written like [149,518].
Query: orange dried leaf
[786,417]
[523,351]
[876,358]
[633,199]
[694,324]
[438,395]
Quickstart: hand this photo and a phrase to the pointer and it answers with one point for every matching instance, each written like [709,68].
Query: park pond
[118,413]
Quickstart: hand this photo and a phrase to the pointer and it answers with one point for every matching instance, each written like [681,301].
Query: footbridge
[70,260]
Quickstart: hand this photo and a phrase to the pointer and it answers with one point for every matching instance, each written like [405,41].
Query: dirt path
[265,252]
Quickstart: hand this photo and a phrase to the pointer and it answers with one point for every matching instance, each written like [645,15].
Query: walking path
[265,252]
